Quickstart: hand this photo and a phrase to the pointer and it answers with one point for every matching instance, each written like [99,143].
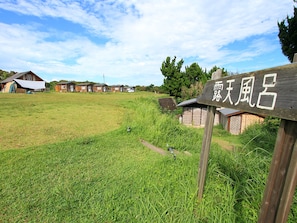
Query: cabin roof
[17,75]
[191,103]
[229,112]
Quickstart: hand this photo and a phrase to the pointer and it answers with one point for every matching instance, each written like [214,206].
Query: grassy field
[38,119]
[69,158]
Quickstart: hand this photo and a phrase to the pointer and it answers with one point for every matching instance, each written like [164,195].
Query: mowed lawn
[42,118]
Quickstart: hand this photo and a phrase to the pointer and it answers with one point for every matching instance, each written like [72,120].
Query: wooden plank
[205,150]
[266,92]
[289,189]
[154,148]
[285,141]
[206,143]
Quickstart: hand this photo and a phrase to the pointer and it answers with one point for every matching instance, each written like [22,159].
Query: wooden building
[100,87]
[84,87]
[235,121]
[65,86]
[194,114]
[23,82]
[117,88]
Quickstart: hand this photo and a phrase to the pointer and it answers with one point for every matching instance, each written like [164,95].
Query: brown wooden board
[270,91]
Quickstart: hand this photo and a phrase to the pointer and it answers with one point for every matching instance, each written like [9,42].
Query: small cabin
[194,114]
[84,87]
[117,88]
[129,89]
[236,121]
[65,86]
[100,87]
[23,82]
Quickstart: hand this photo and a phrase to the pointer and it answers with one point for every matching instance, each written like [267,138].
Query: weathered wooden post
[206,142]
[282,177]
[270,92]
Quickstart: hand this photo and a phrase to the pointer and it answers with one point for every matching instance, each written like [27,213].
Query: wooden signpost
[268,92]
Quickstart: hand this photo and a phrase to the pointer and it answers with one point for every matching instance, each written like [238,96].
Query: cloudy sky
[126,41]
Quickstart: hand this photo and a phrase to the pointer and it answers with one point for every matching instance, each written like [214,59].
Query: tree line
[185,84]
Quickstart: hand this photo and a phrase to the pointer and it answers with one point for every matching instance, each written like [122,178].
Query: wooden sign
[271,92]
[266,92]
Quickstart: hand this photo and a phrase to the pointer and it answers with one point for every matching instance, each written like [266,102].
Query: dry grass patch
[30,120]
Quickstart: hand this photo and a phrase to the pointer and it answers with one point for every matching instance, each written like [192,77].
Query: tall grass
[112,177]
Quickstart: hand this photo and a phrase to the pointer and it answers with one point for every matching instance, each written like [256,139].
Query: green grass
[38,119]
[109,176]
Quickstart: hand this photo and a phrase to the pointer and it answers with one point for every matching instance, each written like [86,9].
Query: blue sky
[126,41]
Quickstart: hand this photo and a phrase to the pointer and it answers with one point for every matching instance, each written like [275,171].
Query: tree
[5,74]
[193,74]
[288,35]
[173,80]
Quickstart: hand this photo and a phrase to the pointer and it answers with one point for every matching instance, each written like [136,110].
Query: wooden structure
[194,114]
[266,92]
[117,88]
[236,121]
[84,87]
[22,83]
[100,87]
[167,104]
[65,86]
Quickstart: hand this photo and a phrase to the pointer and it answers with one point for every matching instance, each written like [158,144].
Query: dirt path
[224,144]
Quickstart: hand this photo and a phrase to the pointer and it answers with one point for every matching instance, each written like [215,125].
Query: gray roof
[17,75]
[84,84]
[191,103]
[65,82]
[229,111]
[100,84]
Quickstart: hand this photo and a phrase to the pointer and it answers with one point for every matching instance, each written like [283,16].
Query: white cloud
[138,35]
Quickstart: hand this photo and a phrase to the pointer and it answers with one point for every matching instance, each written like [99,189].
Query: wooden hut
[100,87]
[65,86]
[194,114]
[84,87]
[117,88]
[23,82]
[235,121]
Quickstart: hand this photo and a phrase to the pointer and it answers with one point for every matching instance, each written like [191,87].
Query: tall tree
[288,35]
[173,77]
[193,74]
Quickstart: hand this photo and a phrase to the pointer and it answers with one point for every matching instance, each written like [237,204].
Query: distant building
[129,89]
[100,87]
[194,114]
[117,88]
[234,121]
[65,86]
[23,82]
[84,87]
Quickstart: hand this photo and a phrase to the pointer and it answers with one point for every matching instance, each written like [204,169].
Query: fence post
[206,142]
[280,171]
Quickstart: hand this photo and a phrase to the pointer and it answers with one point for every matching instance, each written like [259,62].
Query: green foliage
[171,71]
[288,35]
[187,84]
[261,135]
[5,74]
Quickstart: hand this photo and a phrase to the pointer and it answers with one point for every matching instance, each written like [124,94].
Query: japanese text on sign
[246,91]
